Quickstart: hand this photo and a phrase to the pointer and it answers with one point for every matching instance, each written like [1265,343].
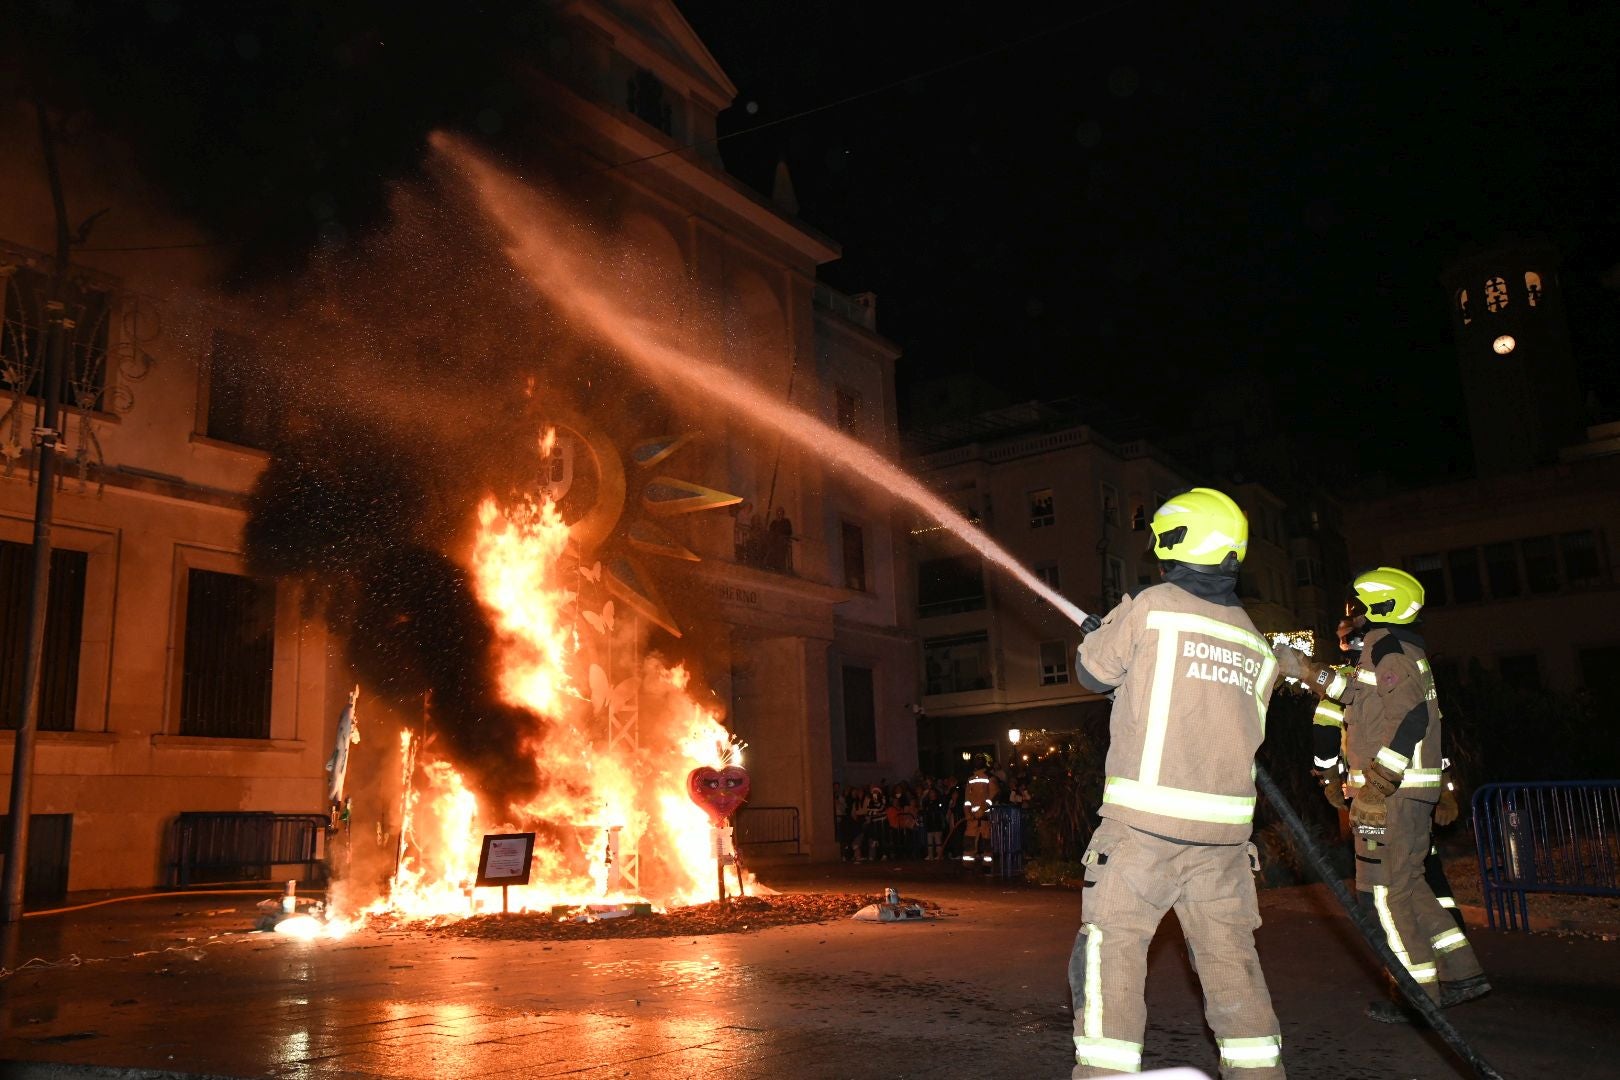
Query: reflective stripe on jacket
[1392,714]
[1193,682]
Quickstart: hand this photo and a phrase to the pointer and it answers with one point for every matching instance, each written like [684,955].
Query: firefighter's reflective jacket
[980,795]
[1391,714]
[1193,681]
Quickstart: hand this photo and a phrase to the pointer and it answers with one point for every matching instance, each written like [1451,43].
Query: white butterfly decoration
[593,575]
[603,623]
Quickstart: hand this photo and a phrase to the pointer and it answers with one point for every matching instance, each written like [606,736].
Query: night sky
[1185,215]
[1178,209]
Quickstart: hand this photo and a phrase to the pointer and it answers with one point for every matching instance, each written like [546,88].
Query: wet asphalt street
[978,994]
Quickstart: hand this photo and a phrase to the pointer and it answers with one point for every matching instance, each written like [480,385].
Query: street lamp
[1014,735]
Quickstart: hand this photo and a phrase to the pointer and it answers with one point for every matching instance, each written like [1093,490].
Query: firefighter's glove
[1290,663]
[1381,778]
[1445,811]
[1368,808]
[1332,786]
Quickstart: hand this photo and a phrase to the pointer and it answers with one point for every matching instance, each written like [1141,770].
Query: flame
[616,733]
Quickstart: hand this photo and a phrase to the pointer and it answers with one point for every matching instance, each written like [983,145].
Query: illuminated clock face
[1504,344]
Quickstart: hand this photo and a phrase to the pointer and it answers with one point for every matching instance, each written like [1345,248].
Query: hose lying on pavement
[1425,1005]
[153,896]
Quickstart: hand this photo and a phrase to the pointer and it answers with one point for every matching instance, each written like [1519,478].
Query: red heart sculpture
[718,791]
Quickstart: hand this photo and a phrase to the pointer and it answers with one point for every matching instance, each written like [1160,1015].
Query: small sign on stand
[505,861]
[721,793]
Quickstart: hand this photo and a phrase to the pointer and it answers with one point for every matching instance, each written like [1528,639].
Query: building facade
[1070,504]
[1075,506]
[176,682]
[1518,568]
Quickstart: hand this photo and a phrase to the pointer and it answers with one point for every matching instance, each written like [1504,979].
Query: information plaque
[505,859]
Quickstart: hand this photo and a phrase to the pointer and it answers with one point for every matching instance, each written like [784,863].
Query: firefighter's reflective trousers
[1390,878]
[1132,879]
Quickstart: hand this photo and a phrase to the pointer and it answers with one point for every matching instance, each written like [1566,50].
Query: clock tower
[1518,371]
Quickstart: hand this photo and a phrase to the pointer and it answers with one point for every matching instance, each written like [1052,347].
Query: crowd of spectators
[920,818]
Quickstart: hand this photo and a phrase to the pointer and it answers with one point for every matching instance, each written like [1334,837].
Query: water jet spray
[533,229]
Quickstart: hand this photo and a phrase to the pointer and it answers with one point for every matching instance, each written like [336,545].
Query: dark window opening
[241,407]
[1502,568]
[644,97]
[229,650]
[860,715]
[1540,564]
[1522,671]
[1598,665]
[1580,550]
[957,664]
[1110,505]
[1431,574]
[64,629]
[950,585]
[1467,586]
[1048,572]
[854,556]
[1054,663]
[846,405]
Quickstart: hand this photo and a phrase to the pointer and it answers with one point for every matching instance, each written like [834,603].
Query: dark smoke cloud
[399,369]
[275,125]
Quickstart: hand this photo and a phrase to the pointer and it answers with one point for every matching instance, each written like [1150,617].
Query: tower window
[1462,306]
[1532,287]
[1496,295]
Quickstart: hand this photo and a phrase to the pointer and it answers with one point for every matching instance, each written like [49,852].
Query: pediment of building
[655,35]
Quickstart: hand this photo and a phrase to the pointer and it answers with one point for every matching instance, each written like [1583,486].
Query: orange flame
[615,737]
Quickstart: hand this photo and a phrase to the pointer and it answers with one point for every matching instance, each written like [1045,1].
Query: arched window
[1532,287]
[1462,306]
[1496,294]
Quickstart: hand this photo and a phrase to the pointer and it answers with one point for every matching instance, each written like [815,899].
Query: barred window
[23,293]
[1532,287]
[64,629]
[229,649]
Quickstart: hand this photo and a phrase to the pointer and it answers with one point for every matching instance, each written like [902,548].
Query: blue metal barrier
[1007,840]
[1554,837]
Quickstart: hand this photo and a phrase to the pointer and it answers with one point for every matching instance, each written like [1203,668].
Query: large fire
[616,735]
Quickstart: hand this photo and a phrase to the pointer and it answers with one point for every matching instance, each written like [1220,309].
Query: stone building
[1074,505]
[175,682]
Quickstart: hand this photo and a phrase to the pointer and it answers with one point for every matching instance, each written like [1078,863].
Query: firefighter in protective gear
[977,799]
[1191,680]
[1392,738]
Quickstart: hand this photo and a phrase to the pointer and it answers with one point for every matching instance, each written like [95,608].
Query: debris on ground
[738,915]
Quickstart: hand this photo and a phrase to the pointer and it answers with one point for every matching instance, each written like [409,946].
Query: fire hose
[1426,1006]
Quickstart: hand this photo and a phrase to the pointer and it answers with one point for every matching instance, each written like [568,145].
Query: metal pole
[46,437]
